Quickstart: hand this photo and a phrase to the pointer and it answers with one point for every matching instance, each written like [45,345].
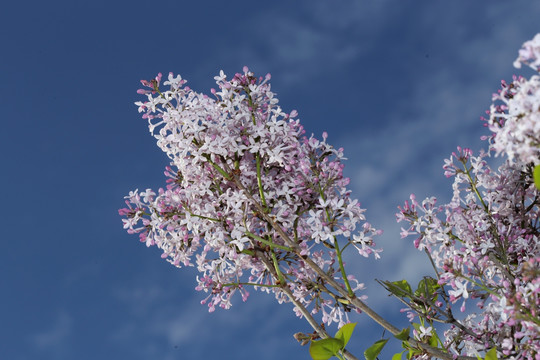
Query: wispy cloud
[167,323]
[301,41]
[404,153]
[55,338]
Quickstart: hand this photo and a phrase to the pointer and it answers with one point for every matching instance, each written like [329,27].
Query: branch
[320,331]
[353,299]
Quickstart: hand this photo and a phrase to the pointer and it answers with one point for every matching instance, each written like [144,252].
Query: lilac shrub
[484,244]
[253,202]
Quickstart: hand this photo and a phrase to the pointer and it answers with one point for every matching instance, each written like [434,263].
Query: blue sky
[398,84]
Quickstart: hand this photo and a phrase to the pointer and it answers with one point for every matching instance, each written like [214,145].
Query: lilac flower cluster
[515,120]
[529,54]
[515,114]
[249,198]
[485,243]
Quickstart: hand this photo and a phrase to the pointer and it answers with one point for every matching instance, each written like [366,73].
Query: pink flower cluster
[529,54]
[249,197]
[485,243]
[515,115]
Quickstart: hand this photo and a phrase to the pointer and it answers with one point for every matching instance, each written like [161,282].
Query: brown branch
[320,331]
[352,299]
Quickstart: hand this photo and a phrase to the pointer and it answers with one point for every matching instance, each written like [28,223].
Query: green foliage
[345,333]
[411,351]
[403,334]
[491,354]
[536,176]
[427,287]
[374,350]
[400,288]
[326,348]
[421,301]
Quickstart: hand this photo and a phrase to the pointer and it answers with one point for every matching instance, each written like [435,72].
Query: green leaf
[400,288]
[427,287]
[437,338]
[536,176]
[326,348]
[433,341]
[412,353]
[345,333]
[397,356]
[491,354]
[403,334]
[406,345]
[373,351]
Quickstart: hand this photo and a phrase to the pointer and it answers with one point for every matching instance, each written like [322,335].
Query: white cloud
[167,322]
[302,41]
[54,338]
[405,153]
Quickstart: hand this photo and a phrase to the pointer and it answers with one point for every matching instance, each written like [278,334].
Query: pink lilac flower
[514,118]
[238,160]
[530,54]
[485,243]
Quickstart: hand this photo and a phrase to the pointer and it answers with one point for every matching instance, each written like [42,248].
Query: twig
[352,299]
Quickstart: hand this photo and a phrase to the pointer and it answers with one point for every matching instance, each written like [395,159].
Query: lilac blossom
[514,117]
[530,54]
[485,243]
[249,197]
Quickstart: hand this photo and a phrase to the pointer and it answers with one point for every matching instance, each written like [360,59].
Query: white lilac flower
[485,243]
[240,132]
